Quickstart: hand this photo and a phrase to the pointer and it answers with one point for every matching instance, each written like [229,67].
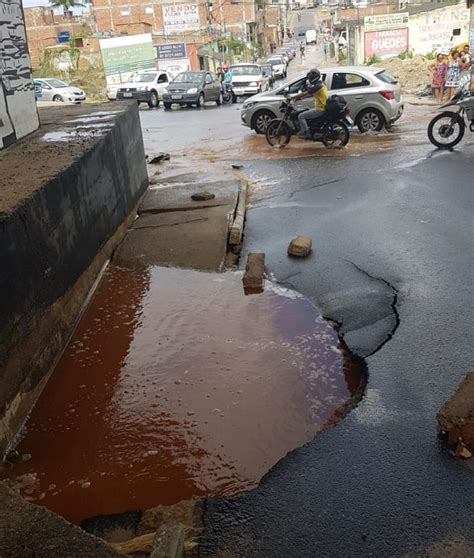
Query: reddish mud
[176,384]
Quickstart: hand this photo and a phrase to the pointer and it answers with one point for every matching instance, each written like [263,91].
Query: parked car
[248,79]
[278,65]
[267,70]
[53,89]
[146,86]
[373,96]
[193,89]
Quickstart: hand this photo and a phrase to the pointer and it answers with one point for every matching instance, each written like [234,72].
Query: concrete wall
[433,31]
[56,236]
[18,116]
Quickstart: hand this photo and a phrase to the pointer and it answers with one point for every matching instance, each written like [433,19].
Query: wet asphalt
[392,264]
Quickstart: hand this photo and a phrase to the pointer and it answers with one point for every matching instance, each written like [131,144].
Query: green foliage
[235,45]
[372,60]
[431,55]
[66,5]
[405,55]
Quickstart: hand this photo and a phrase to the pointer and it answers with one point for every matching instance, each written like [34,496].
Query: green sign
[127,58]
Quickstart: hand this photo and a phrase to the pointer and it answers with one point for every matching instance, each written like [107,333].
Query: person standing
[455,66]
[439,70]
[466,59]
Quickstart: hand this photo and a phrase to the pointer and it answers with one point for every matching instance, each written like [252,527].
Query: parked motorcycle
[447,128]
[228,93]
[331,128]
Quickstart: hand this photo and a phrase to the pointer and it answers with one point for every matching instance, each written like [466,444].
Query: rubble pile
[413,73]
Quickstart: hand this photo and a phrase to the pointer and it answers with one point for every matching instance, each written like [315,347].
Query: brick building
[43,27]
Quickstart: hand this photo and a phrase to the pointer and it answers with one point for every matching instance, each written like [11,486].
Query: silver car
[53,89]
[373,95]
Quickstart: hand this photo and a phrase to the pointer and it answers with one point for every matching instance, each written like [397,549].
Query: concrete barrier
[69,193]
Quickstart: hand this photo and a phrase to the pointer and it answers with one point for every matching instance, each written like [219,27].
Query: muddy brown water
[175,385]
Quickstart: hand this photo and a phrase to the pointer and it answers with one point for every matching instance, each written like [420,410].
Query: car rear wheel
[261,119]
[154,101]
[58,99]
[370,120]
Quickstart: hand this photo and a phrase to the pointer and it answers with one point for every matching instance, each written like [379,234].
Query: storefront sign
[179,18]
[171,51]
[385,21]
[386,43]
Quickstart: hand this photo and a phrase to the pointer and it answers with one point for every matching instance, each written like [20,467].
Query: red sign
[384,44]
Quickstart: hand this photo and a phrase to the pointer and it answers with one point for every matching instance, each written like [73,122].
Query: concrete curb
[237,227]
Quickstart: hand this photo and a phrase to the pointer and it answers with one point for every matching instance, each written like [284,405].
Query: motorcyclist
[316,88]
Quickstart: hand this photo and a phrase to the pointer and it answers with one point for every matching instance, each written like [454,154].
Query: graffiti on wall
[18,115]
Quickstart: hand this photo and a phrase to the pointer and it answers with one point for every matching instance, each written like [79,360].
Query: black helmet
[313,76]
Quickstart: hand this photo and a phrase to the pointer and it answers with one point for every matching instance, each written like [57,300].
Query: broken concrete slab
[178,197]
[169,542]
[456,418]
[142,545]
[157,158]
[203,196]
[254,276]
[300,246]
[28,530]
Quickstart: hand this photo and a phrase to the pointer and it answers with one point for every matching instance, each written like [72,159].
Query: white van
[311,37]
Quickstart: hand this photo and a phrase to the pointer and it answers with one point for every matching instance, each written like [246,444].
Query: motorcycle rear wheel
[335,134]
[449,133]
[278,133]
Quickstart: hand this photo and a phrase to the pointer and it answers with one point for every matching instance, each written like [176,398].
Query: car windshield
[140,78]
[246,70]
[188,77]
[275,61]
[386,77]
[56,83]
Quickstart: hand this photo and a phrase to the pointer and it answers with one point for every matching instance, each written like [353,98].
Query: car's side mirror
[286,90]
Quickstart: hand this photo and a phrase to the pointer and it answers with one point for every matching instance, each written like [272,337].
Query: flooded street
[175,385]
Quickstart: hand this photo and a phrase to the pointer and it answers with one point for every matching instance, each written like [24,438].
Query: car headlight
[249,105]
[193,90]
[143,88]
[253,83]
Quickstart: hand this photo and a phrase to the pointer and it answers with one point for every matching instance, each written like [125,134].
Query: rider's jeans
[307,115]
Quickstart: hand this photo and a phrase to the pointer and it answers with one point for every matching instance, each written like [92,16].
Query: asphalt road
[391,223]
[392,263]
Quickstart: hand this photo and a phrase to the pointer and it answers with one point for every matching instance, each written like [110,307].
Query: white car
[247,79]
[279,66]
[146,86]
[52,89]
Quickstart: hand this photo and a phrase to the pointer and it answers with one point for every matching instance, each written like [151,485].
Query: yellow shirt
[321,98]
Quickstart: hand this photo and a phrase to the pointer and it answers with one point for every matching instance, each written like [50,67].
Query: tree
[66,5]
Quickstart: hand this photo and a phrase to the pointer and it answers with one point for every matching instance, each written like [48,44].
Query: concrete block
[456,418]
[254,275]
[237,228]
[300,246]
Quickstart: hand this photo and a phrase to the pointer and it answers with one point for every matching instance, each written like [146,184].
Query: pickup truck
[247,79]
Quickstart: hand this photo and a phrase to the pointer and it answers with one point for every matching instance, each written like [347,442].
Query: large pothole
[175,385]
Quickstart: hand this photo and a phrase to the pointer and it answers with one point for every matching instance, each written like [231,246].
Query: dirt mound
[413,73]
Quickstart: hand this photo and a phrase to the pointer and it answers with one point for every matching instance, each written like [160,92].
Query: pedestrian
[302,51]
[466,59]
[439,70]
[455,66]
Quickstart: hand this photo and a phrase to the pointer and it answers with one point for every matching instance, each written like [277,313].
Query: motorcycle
[227,93]
[331,128]
[447,128]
